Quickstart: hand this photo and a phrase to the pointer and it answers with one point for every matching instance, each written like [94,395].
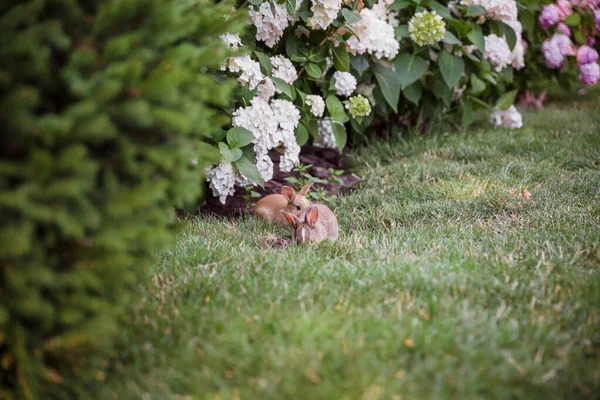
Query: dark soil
[320,159]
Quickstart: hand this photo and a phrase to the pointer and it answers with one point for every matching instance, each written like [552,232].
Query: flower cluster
[559,47]
[509,118]
[270,21]
[374,35]
[316,104]
[324,13]
[326,138]
[502,10]
[345,83]
[426,28]
[358,106]
[221,180]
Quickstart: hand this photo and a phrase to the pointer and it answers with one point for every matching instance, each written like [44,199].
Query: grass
[447,282]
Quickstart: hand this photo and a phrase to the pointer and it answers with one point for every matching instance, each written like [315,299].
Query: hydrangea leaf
[451,67]
[390,85]
[410,68]
[229,155]
[341,59]
[341,137]
[249,170]
[239,137]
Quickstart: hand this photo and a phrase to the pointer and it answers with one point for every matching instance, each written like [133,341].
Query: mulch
[320,159]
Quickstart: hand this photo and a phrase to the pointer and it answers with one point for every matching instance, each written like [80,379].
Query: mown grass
[447,282]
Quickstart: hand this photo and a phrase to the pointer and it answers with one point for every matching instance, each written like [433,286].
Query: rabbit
[269,207]
[314,224]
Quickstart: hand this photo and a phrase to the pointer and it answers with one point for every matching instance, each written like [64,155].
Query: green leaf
[441,90]
[451,67]
[239,137]
[265,62]
[341,137]
[228,154]
[475,35]
[313,70]
[475,11]
[401,31]
[413,93]
[573,20]
[509,33]
[336,109]
[290,5]
[467,113]
[249,170]
[410,68]
[359,63]
[389,84]
[301,135]
[283,86]
[292,46]
[219,135]
[350,16]
[439,8]
[449,38]
[477,85]
[313,128]
[506,100]
[399,5]
[341,59]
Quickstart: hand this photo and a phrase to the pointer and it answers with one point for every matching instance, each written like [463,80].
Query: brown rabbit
[269,207]
[314,224]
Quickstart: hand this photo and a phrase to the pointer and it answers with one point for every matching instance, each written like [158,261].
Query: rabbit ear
[312,216]
[291,218]
[289,193]
[306,188]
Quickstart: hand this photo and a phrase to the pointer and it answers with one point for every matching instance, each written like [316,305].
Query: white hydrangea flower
[510,118]
[503,10]
[288,118]
[316,104]
[221,180]
[270,20]
[250,70]
[283,69]
[266,89]
[381,10]
[326,137]
[290,157]
[232,40]
[374,36]
[497,52]
[286,115]
[345,83]
[264,164]
[259,119]
[324,12]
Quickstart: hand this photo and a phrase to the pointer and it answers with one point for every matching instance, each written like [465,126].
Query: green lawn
[446,282]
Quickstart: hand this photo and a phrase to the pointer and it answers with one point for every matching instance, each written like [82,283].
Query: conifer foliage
[103,107]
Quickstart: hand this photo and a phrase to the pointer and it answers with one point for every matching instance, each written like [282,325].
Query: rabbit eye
[298,208]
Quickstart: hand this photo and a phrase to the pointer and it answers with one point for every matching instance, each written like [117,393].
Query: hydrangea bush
[564,37]
[328,71]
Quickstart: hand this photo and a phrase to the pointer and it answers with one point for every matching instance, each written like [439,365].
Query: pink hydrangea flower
[564,9]
[590,73]
[586,55]
[556,49]
[550,16]
[564,29]
[597,19]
